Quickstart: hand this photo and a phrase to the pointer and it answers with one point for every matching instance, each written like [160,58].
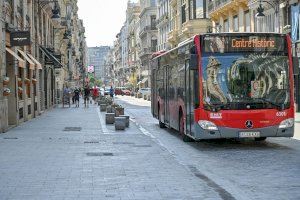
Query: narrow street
[70,153]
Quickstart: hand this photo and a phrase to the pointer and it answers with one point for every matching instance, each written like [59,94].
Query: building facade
[28,69]
[148,37]
[188,18]
[163,24]
[96,56]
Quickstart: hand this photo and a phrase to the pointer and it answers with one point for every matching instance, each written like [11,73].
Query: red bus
[233,85]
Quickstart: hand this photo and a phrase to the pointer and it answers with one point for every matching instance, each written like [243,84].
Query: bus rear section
[231,85]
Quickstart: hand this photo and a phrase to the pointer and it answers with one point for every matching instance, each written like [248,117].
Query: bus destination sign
[227,44]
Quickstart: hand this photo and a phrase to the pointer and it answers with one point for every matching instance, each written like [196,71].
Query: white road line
[145,132]
[103,125]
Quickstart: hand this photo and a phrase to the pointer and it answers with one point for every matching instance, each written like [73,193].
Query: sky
[102,20]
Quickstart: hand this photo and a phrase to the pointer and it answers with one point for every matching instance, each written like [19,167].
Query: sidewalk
[69,153]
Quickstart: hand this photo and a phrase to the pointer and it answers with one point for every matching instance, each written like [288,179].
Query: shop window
[21,113]
[29,109]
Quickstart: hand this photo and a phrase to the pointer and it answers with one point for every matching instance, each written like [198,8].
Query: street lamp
[275,5]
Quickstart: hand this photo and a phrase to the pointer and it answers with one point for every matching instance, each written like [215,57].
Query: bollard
[127,119]
[120,123]
[102,107]
[110,118]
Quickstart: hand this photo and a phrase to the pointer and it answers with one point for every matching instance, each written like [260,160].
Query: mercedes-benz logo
[249,124]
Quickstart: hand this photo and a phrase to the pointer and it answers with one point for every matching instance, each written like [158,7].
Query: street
[70,153]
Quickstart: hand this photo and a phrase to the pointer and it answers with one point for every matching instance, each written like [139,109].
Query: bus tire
[260,139]
[184,137]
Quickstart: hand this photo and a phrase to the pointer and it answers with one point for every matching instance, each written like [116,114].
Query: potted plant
[119,110]
[19,82]
[27,81]
[34,81]
[6,91]
[20,90]
[6,80]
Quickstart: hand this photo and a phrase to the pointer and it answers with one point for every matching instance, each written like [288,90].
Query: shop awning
[21,62]
[37,63]
[51,57]
[144,80]
[31,63]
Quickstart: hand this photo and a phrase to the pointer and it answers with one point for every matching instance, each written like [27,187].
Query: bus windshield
[236,81]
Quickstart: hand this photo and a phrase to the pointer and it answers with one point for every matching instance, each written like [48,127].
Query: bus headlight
[207,125]
[288,123]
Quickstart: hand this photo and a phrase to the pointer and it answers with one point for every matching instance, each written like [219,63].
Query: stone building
[188,18]
[163,24]
[96,57]
[29,58]
[148,36]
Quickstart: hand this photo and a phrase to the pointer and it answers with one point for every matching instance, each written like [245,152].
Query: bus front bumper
[226,132]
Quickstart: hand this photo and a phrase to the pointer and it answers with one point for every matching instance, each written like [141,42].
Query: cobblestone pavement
[69,153]
[242,170]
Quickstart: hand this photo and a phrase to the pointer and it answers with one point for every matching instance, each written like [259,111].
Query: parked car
[144,91]
[118,91]
[126,92]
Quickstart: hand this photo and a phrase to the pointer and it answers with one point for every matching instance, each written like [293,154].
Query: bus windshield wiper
[278,106]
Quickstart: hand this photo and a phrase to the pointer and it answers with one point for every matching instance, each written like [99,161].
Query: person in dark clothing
[87,92]
[76,96]
[111,92]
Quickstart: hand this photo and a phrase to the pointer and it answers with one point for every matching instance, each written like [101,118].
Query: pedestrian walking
[95,94]
[76,97]
[111,92]
[86,95]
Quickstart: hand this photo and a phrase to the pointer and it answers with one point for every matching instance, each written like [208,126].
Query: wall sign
[20,38]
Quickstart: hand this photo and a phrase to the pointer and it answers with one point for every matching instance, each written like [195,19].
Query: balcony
[147,29]
[218,7]
[163,19]
[147,51]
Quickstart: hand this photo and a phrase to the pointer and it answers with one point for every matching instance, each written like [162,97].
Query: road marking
[145,132]
[103,125]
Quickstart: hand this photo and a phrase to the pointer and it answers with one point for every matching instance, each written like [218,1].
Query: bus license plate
[249,134]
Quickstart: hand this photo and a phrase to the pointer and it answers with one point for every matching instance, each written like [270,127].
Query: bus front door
[189,98]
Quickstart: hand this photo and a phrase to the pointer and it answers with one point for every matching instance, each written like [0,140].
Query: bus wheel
[184,137]
[260,139]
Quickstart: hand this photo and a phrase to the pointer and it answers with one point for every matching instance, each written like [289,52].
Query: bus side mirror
[193,63]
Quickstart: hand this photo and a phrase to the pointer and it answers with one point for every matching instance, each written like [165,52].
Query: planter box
[110,118]
[102,107]
[120,123]
[127,119]
[109,109]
